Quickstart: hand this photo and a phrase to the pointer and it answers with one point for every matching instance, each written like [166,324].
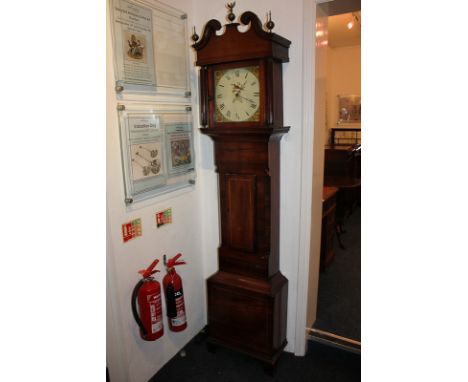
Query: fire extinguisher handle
[134,308]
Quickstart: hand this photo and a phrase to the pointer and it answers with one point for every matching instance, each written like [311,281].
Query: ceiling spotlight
[355,19]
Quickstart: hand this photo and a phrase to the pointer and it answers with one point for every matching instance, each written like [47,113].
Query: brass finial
[195,37]
[269,24]
[231,16]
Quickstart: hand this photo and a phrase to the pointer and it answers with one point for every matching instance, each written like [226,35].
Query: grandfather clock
[241,104]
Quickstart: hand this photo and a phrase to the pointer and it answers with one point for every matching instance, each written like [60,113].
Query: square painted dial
[237,94]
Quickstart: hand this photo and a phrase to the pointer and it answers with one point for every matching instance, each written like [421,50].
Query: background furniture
[348,136]
[343,171]
[327,252]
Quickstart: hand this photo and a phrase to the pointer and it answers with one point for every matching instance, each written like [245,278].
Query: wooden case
[247,297]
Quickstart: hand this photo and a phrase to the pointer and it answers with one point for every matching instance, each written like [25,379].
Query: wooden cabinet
[327,252]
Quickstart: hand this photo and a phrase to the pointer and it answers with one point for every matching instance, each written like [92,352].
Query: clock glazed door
[236,94]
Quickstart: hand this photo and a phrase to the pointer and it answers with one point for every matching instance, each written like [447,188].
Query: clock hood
[234,45]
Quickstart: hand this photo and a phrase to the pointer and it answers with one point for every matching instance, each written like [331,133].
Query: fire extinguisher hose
[134,308]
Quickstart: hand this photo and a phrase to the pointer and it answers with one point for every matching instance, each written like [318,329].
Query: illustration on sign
[179,139]
[180,151]
[146,160]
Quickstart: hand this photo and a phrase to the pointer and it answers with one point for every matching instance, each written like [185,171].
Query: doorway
[338,108]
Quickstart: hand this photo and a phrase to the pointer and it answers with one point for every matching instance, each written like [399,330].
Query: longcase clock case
[247,297]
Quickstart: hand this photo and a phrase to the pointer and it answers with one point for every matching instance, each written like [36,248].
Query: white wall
[128,357]
[288,18]
[320,74]
[343,77]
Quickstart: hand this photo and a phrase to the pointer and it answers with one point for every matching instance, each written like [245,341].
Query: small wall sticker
[164,217]
[131,230]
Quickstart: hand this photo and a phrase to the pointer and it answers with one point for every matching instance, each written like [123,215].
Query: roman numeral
[237,116]
[253,83]
[256,94]
[221,106]
[246,74]
[247,114]
[220,95]
[237,73]
[228,114]
[253,105]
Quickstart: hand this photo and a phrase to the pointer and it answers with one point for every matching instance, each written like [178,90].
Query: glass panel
[150,48]
[157,149]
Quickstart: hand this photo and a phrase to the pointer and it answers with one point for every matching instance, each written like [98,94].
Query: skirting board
[334,340]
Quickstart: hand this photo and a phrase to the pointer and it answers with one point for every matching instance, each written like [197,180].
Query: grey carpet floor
[321,364]
[339,296]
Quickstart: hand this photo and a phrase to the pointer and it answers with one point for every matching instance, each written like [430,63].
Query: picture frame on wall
[349,109]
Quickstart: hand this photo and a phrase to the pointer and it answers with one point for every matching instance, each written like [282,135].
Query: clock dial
[237,95]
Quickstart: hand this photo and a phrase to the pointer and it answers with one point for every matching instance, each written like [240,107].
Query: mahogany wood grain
[248,314]
[247,297]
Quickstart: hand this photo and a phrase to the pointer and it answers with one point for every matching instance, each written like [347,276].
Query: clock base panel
[248,314]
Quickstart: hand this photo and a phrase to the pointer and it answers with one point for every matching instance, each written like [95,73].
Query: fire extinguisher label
[180,308]
[154,301]
[175,306]
[156,327]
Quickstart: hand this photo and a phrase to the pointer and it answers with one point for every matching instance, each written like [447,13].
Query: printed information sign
[133,29]
[157,149]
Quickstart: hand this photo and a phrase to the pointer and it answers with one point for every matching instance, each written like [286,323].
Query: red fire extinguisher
[148,293]
[172,284]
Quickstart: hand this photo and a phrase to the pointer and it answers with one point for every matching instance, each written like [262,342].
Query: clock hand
[247,99]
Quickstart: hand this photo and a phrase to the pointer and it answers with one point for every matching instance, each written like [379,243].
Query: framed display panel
[157,149]
[150,48]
